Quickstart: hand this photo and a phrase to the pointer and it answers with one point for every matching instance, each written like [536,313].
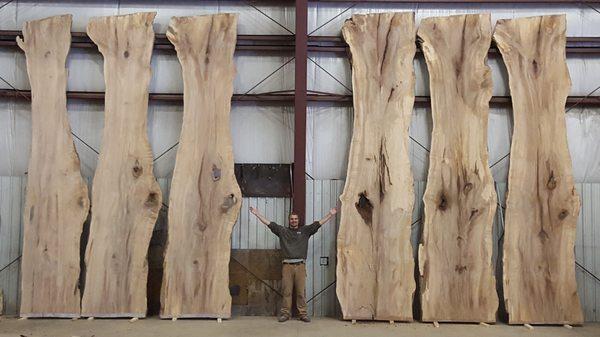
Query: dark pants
[293,276]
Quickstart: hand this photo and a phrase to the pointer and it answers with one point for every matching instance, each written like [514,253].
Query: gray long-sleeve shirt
[294,242]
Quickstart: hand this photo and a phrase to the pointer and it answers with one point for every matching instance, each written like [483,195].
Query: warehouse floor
[267,326]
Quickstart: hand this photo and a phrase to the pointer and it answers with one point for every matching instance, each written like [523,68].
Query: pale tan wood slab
[126,198]
[204,200]
[57,202]
[542,205]
[457,280]
[375,270]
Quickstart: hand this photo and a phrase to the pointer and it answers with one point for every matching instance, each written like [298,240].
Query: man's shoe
[305,318]
[283,318]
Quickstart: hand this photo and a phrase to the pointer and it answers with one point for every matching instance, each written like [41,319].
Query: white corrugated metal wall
[264,134]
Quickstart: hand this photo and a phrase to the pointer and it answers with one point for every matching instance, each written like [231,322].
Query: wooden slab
[57,201]
[375,269]
[542,205]
[205,199]
[125,197]
[457,280]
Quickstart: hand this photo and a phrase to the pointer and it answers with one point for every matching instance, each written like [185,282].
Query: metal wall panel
[12,198]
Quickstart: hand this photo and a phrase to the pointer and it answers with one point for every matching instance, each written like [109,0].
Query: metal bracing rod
[269,17]
[243,95]
[590,6]
[21,94]
[6,4]
[330,20]
[268,76]
[330,75]
[568,109]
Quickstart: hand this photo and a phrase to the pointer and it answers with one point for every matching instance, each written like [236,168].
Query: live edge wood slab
[126,198]
[375,270]
[542,205]
[457,280]
[57,200]
[205,199]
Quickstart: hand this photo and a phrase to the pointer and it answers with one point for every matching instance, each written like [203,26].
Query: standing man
[294,245]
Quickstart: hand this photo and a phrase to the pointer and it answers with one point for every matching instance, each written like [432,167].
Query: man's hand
[329,215]
[262,219]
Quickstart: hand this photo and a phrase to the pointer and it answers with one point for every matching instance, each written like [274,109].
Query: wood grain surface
[57,202]
[205,199]
[126,198]
[375,269]
[457,280]
[542,205]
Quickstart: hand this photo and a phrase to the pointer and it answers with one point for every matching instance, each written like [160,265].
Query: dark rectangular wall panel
[57,201]
[375,269]
[542,205]
[457,280]
[205,199]
[125,197]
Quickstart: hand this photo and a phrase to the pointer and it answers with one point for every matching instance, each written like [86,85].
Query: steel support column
[300,99]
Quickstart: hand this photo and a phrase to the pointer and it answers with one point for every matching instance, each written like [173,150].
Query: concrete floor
[267,326]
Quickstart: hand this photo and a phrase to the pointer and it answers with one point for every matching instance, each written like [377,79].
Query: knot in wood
[468,187]
[216,173]
[563,214]
[151,200]
[137,169]
[474,212]
[364,208]
[551,181]
[228,202]
[443,204]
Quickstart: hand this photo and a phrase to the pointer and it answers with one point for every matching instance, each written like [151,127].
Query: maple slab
[204,200]
[375,270]
[126,198]
[57,200]
[457,281]
[542,205]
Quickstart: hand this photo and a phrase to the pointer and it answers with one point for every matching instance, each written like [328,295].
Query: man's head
[294,221]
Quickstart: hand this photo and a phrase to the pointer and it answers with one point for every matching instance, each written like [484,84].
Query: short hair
[294,213]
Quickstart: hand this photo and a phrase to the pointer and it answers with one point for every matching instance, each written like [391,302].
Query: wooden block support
[57,200]
[455,254]
[126,198]
[375,260]
[205,199]
[542,205]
